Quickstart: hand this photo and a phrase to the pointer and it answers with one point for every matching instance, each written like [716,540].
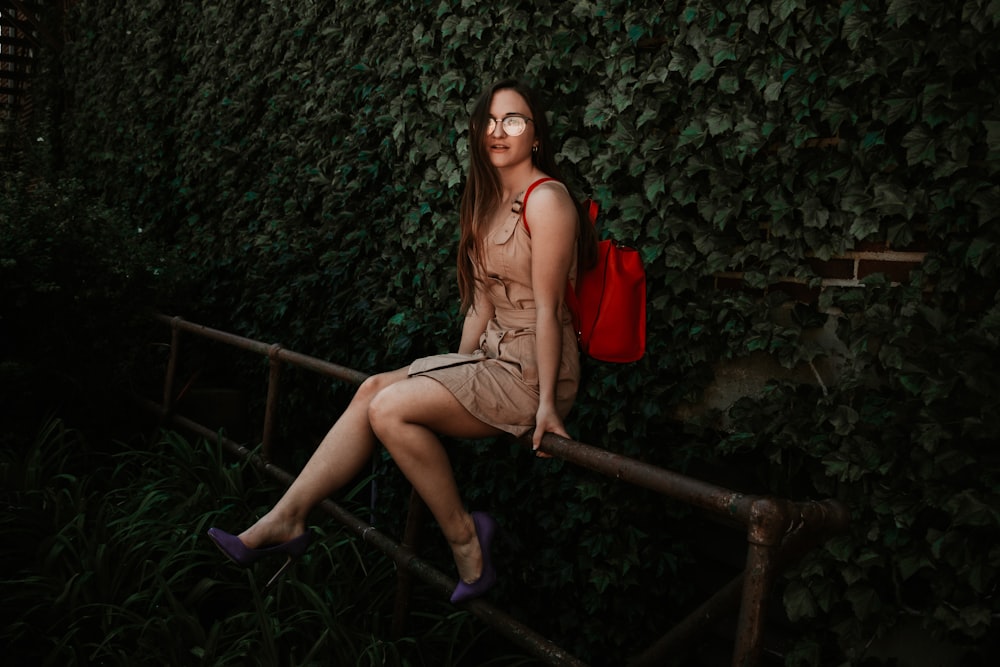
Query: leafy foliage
[306,161]
[106,562]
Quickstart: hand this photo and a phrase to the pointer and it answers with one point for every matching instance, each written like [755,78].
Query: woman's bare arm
[553,241]
[475,323]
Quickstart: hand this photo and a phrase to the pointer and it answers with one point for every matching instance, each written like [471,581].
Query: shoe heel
[240,554]
[277,575]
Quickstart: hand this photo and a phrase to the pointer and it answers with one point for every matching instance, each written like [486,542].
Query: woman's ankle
[467,554]
[272,529]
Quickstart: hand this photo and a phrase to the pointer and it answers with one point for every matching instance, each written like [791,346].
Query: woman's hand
[547,420]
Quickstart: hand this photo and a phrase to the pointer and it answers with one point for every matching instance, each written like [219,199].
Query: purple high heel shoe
[486,528]
[242,555]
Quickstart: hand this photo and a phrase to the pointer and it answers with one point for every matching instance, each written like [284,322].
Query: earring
[534,149]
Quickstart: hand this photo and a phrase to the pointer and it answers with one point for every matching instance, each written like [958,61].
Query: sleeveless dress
[498,383]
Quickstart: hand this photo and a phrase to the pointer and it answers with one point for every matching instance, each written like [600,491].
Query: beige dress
[498,383]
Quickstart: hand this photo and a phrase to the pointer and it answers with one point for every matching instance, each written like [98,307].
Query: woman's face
[505,149]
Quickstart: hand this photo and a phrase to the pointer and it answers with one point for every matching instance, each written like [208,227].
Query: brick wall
[845,270]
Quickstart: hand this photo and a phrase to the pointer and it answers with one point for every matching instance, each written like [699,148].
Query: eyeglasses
[512,125]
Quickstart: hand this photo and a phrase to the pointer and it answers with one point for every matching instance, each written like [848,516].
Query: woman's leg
[344,451]
[407,418]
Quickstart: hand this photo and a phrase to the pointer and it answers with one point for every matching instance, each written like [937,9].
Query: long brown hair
[483,190]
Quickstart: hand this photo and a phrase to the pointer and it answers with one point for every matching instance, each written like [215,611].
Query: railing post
[769,521]
[168,380]
[271,408]
[404,580]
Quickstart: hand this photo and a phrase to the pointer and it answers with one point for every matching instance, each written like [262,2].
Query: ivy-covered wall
[306,160]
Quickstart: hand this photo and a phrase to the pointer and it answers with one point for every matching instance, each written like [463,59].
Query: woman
[517,365]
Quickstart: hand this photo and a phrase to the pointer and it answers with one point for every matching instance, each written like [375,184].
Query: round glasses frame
[513,125]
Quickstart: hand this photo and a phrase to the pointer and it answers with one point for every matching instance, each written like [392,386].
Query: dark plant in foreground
[105,562]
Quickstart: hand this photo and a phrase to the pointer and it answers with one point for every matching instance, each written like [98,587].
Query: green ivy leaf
[716,261]
[980,252]
[596,116]
[719,120]
[968,509]
[864,600]
[920,144]
[912,563]
[901,11]
[575,149]
[799,602]
[655,184]
[756,280]
[855,28]
[695,133]
[729,84]
[814,213]
[782,9]
[722,53]
[702,71]
[772,91]
[987,204]
[843,419]
[992,135]
[756,18]
[892,199]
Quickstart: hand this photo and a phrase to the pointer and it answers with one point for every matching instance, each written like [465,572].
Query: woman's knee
[372,385]
[384,410]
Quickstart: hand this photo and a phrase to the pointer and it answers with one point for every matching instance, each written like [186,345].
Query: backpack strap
[591,210]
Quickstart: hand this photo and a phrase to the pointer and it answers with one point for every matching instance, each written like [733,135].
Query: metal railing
[777,530]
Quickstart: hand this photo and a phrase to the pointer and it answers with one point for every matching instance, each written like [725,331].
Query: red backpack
[609,303]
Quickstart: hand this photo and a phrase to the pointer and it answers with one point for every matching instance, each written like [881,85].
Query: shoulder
[550,212]
[549,198]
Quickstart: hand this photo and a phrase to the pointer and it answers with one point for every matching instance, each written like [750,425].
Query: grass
[105,561]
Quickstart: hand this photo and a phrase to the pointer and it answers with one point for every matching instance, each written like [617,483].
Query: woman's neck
[514,181]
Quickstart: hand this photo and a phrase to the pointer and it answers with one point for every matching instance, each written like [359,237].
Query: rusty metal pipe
[404,557]
[168,380]
[214,334]
[263,349]
[675,647]
[401,554]
[271,404]
[769,522]
[665,482]
[404,582]
[812,522]
[323,367]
